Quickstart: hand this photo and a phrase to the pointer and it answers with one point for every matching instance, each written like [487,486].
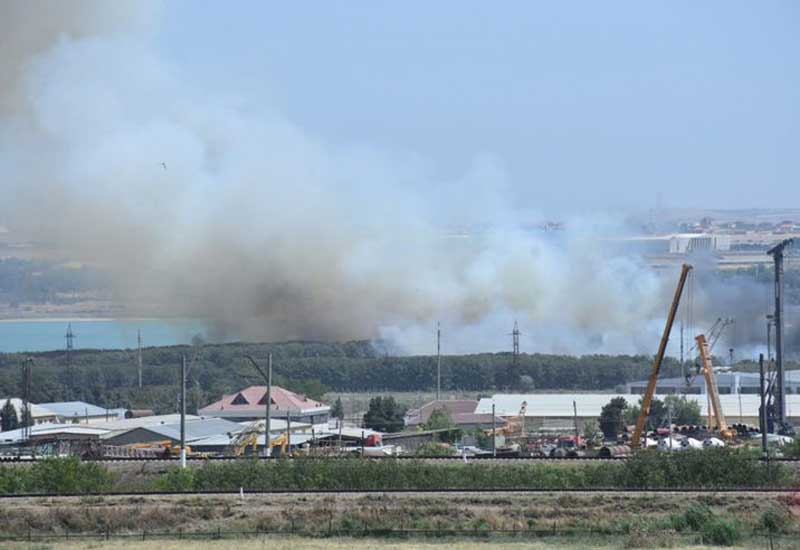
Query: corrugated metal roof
[224,441]
[36,410]
[75,408]
[143,421]
[196,429]
[590,404]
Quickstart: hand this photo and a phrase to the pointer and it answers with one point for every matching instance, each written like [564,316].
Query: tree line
[110,377]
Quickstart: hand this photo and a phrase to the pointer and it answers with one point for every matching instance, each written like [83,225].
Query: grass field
[304,543]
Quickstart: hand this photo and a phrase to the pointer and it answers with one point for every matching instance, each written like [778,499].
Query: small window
[240,400]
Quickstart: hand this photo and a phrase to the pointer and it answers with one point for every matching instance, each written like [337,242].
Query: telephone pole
[777,256]
[183,410]
[515,343]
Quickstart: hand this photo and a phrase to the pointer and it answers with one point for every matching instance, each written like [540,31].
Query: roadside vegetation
[712,468]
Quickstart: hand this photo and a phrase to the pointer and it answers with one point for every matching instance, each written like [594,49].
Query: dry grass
[299,543]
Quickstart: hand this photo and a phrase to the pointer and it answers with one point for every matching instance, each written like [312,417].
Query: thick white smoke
[216,206]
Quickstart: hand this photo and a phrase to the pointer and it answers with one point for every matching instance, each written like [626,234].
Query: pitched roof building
[461,412]
[250,404]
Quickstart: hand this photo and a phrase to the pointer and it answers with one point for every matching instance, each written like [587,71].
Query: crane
[713,336]
[647,398]
[711,388]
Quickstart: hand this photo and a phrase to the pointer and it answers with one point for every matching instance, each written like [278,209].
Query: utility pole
[438,362]
[70,377]
[268,412]
[683,365]
[763,409]
[494,434]
[139,354]
[669,423]
[515,340]
[575,420]
[770,320]
[183,410]
[26,400]
[777,255]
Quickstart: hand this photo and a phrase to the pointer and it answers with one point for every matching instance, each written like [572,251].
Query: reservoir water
[49,334]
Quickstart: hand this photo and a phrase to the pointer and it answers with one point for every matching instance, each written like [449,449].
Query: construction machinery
[248,437]
[711,389]
[647,398]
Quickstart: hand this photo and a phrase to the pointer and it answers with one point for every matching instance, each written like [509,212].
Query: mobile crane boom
[711,388]
[647,399]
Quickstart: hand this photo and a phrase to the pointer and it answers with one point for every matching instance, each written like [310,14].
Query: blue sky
[592,105]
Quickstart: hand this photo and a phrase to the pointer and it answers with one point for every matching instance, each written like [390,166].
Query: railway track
[442,491]
[497,460]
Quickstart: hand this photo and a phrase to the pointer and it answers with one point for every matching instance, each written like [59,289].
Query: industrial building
[559,411]
[250,404]
[727,383]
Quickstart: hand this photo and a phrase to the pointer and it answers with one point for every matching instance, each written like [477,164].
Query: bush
[775,518]
[721,531]
[69,475]
[709,468]
[176,480]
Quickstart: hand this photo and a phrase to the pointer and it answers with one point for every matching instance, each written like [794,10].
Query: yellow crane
[711,388]
[647,398]
[248,437]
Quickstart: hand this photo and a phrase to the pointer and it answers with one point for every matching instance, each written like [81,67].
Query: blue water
[45,335]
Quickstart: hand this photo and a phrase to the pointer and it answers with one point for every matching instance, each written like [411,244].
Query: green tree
[338,409]
[384,415]
[8,417]
[684,411]
[439,420]
[611,417]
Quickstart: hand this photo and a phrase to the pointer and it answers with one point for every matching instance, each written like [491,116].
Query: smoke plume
[212,205]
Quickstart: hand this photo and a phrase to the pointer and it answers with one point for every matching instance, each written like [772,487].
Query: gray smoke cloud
[219,207]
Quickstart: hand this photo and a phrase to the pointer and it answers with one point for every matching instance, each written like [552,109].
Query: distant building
[461,412]
[685,243]
[250,404]
[554,411]
[79,412]
[39,414]
[727,383]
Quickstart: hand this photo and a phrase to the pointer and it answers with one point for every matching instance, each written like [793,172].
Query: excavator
[711,388]
[248,437]
[647,398]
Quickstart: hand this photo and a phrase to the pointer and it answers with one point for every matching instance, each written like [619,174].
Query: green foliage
[721,531]
[439,420]
[384,415]
[8,417]
[684,411]
[776,518]
[109,377]
[337,411]
[434,448]
[709,468]
[69,475]
[176,480]
[792,450]
[611,417]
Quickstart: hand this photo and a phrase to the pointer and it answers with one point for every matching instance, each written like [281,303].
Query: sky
[586,107]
